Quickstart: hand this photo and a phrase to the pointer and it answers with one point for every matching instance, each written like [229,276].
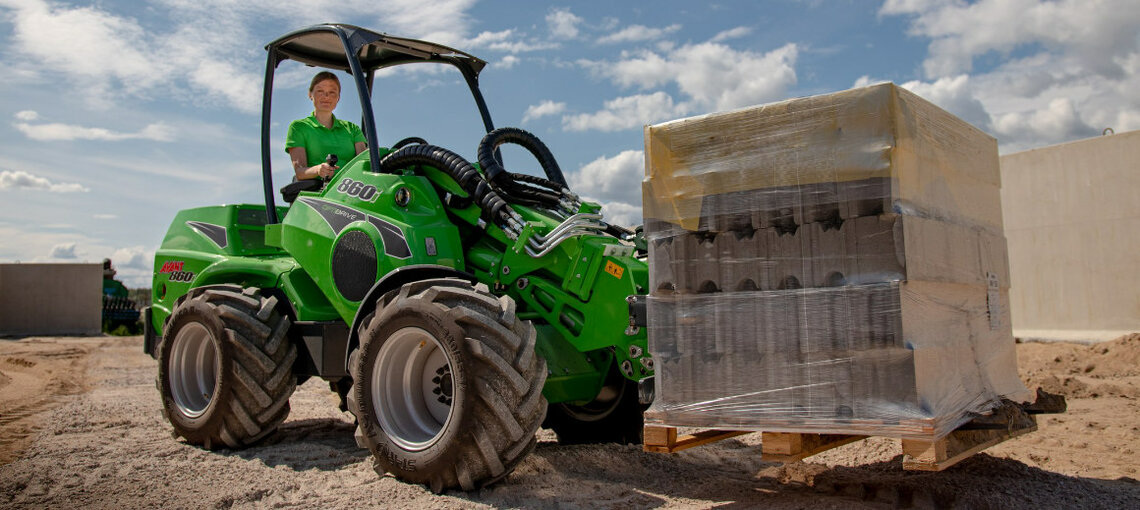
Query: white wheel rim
[412,386]
[193,369]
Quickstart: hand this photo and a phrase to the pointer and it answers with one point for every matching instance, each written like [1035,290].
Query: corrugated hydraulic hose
[526,140]
[464,173]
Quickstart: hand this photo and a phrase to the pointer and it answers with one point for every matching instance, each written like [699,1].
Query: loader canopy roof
[320,46]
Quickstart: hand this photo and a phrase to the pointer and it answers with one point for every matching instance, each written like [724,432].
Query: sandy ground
[80,426]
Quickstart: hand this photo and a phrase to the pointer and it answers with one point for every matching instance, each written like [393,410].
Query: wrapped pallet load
[829,264]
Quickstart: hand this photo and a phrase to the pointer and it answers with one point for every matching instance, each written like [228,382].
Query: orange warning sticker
[614,269]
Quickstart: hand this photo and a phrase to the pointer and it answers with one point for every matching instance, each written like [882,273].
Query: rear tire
[447,385]
[615,416]
[225,367]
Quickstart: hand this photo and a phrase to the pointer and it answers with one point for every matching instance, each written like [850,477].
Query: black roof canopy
[320,46]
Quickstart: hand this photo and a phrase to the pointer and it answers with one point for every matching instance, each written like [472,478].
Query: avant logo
[174,267]
[171,266]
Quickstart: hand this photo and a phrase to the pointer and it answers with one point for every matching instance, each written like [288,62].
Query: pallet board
[666,440]
[918,454]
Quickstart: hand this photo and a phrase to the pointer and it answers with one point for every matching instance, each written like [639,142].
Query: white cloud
[636,33]
[27,115]
[627,112]
[158,132]
[621,213]
[1077,69]
[543,109]
[611,179]
[108,57]
[64,251]
[562,23]
[1096,34]
[20,179]
[105,216]
[209,56]
[713,76]
[865,80]
[507,62]
[1057,122]
[85,41]
[1023,125]
[732,33]
[723,79]
[615,183]
[134,257]
[507,41]
[445,21]
[134,265]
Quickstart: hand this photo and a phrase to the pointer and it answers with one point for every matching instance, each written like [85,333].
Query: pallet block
[791,447]
[919,455]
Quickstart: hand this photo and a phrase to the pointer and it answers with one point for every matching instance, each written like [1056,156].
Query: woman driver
[310,140]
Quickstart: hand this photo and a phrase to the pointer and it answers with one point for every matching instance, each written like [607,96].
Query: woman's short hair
[322,76]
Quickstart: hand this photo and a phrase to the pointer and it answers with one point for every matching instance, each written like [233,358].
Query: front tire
[448,386]
[225,367]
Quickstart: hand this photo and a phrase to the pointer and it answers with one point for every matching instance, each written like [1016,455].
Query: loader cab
[362,53]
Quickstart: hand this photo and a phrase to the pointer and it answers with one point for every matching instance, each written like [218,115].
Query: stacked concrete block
[828,264]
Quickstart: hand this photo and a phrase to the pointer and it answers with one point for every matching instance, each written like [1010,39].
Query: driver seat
[290,191]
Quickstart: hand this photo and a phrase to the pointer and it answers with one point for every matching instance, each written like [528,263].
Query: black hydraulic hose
[458,168]
[539,181]
[493,168]
[519,192]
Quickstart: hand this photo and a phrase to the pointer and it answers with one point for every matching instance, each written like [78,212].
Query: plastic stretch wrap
[827,264]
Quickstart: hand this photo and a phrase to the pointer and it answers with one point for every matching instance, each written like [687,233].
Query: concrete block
[878,249]
[696,262]
[790,258]
[743,258]
[833,253]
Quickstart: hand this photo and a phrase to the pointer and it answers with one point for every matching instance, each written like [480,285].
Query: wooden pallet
[918,454]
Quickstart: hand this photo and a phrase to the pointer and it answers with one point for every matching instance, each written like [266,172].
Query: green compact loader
[455,307]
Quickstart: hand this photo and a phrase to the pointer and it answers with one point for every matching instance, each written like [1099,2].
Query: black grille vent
[354,265]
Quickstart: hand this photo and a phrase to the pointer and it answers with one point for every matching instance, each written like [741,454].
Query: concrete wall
[51,299]
[1072,219]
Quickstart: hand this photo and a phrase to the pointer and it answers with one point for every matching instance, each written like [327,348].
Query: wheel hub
[193,369]
[412,388]
[442,382]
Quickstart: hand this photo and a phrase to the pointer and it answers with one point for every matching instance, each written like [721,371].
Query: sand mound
[1080,371]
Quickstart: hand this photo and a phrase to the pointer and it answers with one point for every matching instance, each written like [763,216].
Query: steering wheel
[408,141]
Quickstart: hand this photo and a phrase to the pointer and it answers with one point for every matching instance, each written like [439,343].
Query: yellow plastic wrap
[832,264]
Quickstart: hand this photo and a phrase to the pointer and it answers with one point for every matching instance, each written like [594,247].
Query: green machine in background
[120,313]
[455,307]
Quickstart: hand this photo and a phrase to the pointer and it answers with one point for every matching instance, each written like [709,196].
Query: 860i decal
[358,189]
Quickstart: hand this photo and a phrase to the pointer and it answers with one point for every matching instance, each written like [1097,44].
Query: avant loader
[454,306]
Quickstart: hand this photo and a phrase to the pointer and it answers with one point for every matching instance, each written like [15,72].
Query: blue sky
[116,114]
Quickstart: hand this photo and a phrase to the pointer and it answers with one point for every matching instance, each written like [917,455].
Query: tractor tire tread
[506,400]
[253,394]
